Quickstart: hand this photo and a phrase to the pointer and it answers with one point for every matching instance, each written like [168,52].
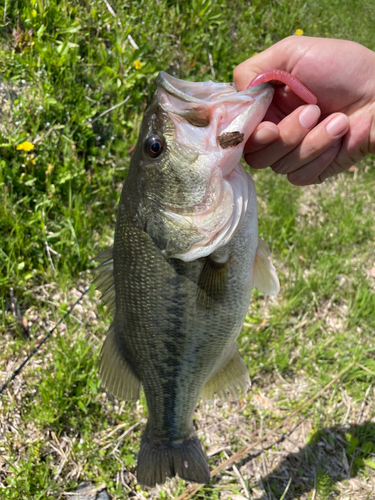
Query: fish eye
[154,146]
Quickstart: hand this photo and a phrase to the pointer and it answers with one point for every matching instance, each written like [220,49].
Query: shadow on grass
[332,455]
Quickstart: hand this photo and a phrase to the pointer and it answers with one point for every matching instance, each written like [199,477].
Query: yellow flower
[255,54]
[299,32]
[138,64]
[25,146]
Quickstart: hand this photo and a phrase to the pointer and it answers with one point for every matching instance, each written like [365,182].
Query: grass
[63,66]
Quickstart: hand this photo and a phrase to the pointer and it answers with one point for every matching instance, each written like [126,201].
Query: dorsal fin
[104,282]
[265,277]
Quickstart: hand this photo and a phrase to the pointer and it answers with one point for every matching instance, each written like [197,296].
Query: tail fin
[159,459]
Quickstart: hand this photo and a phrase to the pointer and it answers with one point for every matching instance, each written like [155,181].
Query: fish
[180,274]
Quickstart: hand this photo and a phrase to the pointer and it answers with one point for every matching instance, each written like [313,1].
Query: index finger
[279,56]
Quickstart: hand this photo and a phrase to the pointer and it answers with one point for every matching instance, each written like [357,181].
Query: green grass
[64,64]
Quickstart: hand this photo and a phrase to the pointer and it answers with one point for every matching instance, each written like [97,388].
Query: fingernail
[309,116]
[265,135]
[337,126]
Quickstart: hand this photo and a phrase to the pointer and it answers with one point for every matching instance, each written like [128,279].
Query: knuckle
[312,147]
[280,167]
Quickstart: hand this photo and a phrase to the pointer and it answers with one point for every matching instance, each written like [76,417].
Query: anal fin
[232,376]
[116,374]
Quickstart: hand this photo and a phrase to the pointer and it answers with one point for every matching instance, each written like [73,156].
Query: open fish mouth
[219,116]
[212,122]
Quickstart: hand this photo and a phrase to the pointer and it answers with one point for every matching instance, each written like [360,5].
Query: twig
[241,479]
[111,11]
[50,250]
[361,410]
[61,453]
[286,489]
[43,137]
[314,493]
[14,307]
[239,475]
[365,369]
[109,110]
[141,421]
[59,445]
[211,65]
[132,42]
[346,402]
[90,490]
[113,431]
[90,100]
[195,488]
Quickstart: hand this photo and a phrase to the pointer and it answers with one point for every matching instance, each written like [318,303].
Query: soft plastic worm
[279,77]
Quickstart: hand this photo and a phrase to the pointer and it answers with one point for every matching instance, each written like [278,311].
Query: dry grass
[317,452]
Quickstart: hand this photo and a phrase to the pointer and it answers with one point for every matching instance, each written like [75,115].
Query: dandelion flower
[255,54]
[298,32]
[138,64]
[25,146]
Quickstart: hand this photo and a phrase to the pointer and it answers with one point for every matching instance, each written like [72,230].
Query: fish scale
[179,307]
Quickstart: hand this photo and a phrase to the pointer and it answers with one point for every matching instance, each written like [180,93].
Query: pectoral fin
[232,377]
[116,374]
[212,282]
[265,277]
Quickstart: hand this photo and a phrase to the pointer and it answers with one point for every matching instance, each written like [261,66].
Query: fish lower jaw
[221,221]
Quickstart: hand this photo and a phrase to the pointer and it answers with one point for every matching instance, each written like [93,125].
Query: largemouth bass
[186,256]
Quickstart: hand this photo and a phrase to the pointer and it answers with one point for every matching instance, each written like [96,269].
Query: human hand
[310,143]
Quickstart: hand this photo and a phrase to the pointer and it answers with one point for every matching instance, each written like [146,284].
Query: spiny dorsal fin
[265,277]
[233,377]
[116,374]
[212,281]
[104,282]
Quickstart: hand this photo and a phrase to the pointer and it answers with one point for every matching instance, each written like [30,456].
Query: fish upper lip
[174,86]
